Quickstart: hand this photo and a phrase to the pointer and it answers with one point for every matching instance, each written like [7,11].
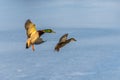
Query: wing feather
[30,28]
[63,38]
[39,41]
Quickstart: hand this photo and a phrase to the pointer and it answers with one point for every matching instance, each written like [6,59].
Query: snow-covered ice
[94,56]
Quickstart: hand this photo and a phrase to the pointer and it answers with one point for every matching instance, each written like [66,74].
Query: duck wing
[27,24]
[63,38]
[30,28]
[39,41]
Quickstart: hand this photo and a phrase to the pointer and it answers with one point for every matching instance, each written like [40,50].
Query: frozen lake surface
[95,56]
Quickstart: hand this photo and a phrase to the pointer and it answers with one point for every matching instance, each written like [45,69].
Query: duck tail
[28,43]
[27,46]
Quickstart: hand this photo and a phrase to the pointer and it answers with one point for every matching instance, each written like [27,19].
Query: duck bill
[53,32]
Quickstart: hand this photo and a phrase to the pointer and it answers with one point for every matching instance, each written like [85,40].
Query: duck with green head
[63,41]
[33,35]
[41,32]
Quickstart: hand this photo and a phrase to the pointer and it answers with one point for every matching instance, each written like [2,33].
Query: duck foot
[33,48]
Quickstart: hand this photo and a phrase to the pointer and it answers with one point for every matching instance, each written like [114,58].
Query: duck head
[48,31]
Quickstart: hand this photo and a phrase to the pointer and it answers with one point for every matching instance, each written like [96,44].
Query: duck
[34,35]
[63,41]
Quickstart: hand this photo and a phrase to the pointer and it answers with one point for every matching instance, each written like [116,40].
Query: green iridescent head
[48,31]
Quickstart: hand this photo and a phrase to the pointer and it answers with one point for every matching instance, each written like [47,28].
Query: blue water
[94,56]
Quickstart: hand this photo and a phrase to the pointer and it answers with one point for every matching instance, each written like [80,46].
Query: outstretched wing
[63,38]
[30,28]
[39,41]
[27,24]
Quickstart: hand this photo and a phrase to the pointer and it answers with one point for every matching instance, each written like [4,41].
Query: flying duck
[34,35]
[63,41]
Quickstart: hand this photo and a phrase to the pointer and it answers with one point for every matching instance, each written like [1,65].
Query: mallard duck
[63,41]
[33,35]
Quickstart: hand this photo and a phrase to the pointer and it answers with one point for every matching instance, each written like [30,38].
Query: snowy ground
[95,56]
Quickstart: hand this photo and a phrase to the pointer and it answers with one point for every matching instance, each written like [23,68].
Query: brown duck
[63,41]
